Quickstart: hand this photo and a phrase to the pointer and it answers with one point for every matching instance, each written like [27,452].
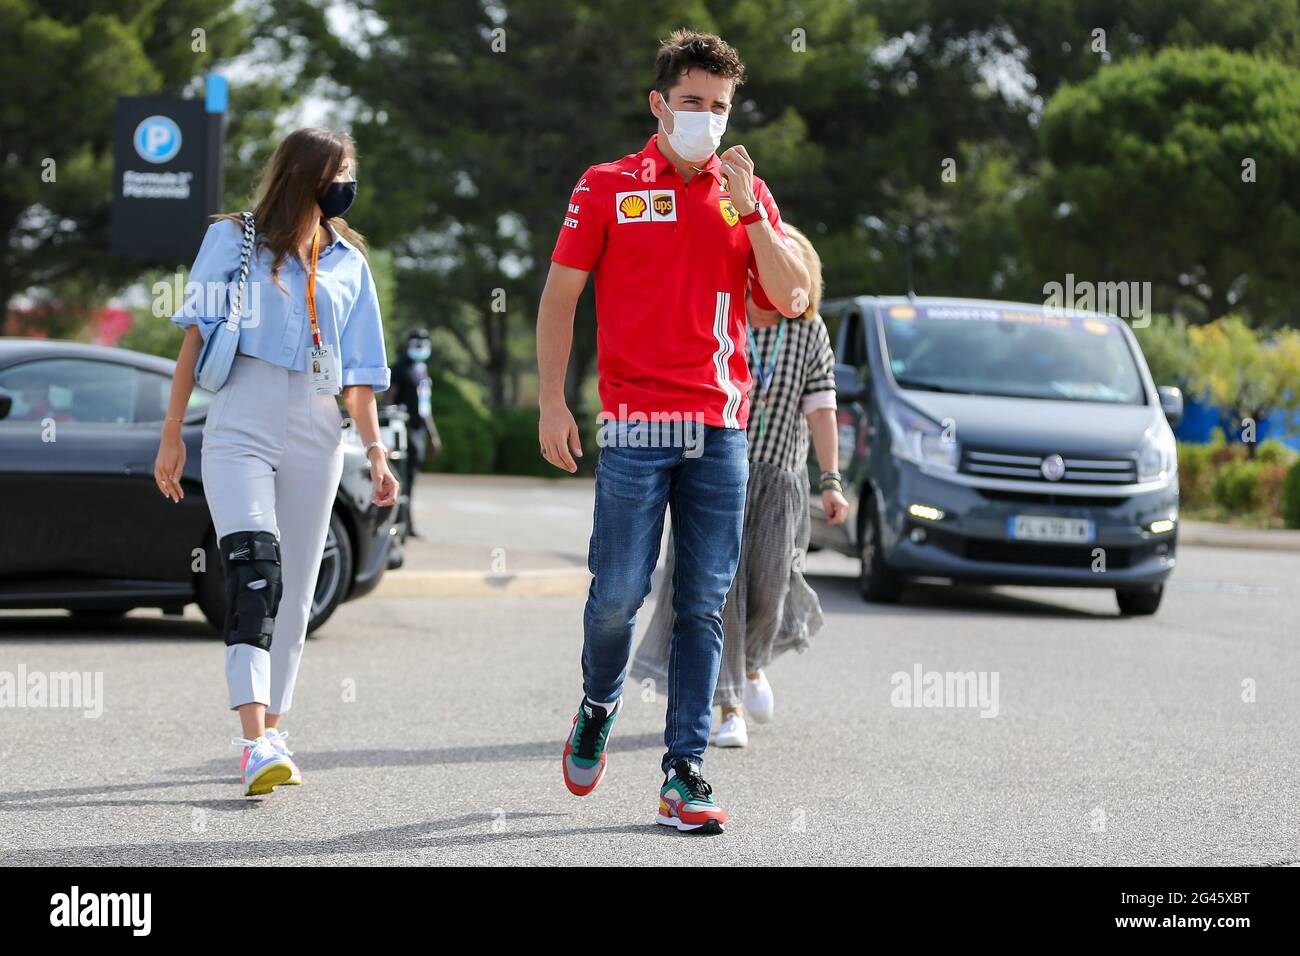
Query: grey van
[1000,443]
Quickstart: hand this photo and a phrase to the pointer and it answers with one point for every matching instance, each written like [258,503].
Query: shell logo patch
[633,207]
[646,205]
[728,212]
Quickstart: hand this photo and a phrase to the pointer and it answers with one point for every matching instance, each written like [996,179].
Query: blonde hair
[813,263]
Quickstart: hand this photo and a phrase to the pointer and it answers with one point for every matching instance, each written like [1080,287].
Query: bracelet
[831,484]
[833,475]
[170,419]
[376,444]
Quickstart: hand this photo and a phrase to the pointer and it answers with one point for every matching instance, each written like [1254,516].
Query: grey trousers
[272,460]
[770,608]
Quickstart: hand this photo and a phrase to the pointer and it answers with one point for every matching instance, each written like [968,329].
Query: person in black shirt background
[411,388]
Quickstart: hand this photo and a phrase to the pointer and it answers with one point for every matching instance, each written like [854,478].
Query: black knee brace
[253,586]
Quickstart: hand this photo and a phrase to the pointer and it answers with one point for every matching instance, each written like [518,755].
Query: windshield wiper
[930,386]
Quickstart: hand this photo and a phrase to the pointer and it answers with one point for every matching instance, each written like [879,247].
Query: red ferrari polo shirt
[671,260]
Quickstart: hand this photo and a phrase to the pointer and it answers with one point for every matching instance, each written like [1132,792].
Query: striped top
[805,366]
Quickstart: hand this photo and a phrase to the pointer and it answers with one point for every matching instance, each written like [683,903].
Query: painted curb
[552,582]
[1223,537]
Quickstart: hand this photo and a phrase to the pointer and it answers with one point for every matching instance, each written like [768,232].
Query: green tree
[1248,378]
[474,120]
[63,68]
[478,124]
[969,81]
[1168,350]
[1182,169]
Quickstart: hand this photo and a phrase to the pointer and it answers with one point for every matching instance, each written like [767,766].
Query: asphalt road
[429,731]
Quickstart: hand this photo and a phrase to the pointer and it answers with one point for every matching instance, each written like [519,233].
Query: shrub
[517,452]
[1223,453]
[1272,451]
[1234,486]
[465,426]
[1290,496]
[152,335]
[1267,499]
[1195,475]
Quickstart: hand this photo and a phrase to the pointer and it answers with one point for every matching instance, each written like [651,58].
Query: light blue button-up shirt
[276,326]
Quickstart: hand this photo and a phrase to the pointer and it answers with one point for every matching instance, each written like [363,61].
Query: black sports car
[84,527]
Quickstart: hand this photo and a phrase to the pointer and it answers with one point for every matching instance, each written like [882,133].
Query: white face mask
[696,135]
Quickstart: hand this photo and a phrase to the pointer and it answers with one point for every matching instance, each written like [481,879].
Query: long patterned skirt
[770,607]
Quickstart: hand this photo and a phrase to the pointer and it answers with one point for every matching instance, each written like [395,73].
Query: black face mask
[337,199]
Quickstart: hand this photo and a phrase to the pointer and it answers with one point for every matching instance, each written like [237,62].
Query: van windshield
[987,350]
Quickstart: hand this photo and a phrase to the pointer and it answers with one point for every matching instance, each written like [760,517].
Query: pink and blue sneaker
[263,767]
[276,738]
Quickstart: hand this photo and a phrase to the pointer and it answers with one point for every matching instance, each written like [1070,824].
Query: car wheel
[879,583]
[1139,600]
[332,581]
[335,576]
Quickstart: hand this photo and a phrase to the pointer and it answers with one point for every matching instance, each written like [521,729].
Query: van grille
[992,464]
[1044,555]
[1053,500]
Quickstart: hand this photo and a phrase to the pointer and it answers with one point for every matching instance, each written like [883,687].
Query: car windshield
[988,350]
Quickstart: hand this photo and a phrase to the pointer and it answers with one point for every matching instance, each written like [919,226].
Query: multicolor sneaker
[276,737]
[584,751]
[263,767]
[686,801]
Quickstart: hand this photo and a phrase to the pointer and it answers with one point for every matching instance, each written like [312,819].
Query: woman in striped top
[770,608]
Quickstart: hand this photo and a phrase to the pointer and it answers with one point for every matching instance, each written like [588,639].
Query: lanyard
[765,375]
[311,288]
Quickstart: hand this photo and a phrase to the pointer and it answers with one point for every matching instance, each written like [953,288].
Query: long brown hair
[285,205]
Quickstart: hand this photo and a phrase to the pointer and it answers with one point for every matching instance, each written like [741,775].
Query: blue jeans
[706,492]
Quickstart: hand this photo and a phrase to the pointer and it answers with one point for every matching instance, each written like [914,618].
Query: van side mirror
[6,403]
[848,384]
[1171,400]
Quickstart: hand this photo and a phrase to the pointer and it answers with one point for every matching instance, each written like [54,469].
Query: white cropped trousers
[272,460]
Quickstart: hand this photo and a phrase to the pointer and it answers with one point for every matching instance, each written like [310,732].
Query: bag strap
[245,257]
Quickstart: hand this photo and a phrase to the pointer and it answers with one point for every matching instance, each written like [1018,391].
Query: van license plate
[1048,528]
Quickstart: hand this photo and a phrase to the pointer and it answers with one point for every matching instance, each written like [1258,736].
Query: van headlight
[917,439]
[1158,459]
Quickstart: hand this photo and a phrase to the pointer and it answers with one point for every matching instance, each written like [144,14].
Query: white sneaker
[732,733]
[758,699]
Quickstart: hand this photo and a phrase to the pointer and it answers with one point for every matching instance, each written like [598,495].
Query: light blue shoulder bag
[218,352]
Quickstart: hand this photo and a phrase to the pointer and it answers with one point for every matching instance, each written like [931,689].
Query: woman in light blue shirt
[272,442]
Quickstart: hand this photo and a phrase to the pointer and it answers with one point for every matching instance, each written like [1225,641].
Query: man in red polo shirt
[672,234]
